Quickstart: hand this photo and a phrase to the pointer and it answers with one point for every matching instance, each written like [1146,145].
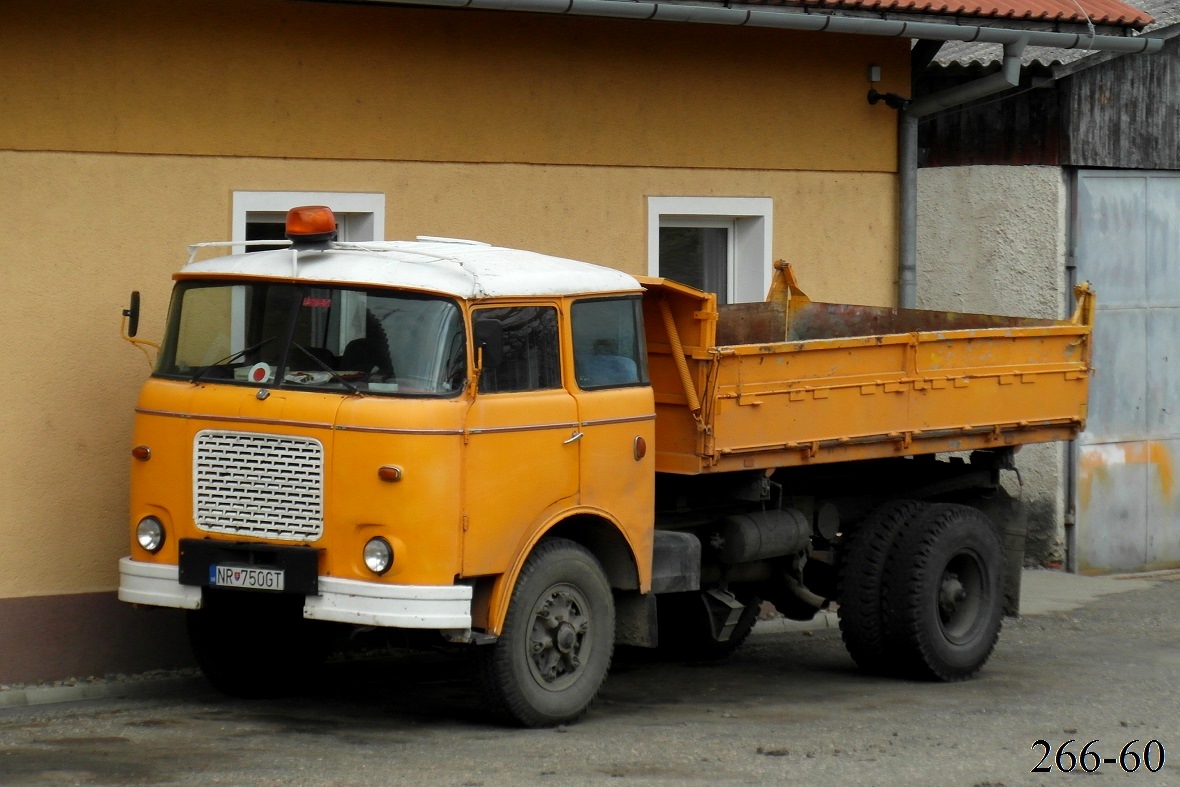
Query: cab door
[521,463]
[616,409]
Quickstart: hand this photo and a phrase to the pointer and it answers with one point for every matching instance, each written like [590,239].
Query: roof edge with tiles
[1112,13]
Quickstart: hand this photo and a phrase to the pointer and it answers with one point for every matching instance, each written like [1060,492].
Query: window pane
[339,339]
[608,343]
[696,256]
[424,339]
[265,230]
[520,348]
[204,335]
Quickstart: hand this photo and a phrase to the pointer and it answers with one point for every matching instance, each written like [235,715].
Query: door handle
[574,438]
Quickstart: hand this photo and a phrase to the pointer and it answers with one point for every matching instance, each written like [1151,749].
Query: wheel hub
[961,596]
[559,635]
[951,593]
[566,638]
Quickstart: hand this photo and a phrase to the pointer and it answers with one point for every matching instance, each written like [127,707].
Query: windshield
[298,336]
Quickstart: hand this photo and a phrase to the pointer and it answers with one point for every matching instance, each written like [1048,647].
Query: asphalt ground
[1091,659]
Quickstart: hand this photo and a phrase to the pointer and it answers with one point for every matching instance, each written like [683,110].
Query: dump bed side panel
[678,375]
[841,399]
[982,382]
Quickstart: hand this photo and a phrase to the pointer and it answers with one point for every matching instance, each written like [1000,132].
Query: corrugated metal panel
[1166,13]
[1100,12]
[1128,245]
[1112,239]
[1163,241]
[1118,392]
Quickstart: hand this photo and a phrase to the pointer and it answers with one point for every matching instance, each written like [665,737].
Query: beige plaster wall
[325,80]
[93,227]
[993,239]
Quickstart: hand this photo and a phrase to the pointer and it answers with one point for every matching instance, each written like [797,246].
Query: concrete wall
[993,239]
[128,125]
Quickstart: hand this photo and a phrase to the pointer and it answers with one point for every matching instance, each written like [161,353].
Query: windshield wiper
[326,368]
[231,357]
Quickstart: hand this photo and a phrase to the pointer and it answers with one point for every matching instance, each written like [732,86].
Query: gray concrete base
[821,622]
[1043,592]
[134,687]
[1046,591]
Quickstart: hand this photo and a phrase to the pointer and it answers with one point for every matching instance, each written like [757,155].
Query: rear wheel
[862,593]
[946,589]
[251,645]
[557,642]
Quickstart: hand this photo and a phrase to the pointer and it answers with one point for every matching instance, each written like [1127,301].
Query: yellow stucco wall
[272,78]
[127,127]
[93,227]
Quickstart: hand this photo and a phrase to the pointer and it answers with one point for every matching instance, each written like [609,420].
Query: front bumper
[339,600]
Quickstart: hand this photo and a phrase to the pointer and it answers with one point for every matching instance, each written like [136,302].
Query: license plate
[249,578]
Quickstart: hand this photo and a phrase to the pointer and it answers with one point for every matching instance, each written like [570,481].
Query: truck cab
[381,435]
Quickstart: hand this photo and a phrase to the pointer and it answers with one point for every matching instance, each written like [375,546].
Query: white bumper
[340,600]
[397,606]
[154,584]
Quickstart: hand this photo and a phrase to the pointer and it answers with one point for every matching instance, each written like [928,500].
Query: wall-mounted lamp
[892,100]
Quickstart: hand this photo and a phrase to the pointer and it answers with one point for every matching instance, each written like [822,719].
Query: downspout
[907,194]
[907,159]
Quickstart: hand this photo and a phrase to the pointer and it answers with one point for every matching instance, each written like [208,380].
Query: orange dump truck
[539,458]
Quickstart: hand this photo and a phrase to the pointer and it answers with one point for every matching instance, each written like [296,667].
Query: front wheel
[946,587]
[557,642]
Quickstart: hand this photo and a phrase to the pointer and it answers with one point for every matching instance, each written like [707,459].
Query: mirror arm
[473,379]
[141,344]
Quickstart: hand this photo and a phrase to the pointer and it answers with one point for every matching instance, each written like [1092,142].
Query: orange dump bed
[792,382]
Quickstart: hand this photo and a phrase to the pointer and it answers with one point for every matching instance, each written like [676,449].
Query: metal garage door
[1127,242]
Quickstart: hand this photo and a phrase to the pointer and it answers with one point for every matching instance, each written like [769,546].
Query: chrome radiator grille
[270,486]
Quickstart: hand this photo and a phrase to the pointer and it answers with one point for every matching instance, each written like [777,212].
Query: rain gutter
[810,22]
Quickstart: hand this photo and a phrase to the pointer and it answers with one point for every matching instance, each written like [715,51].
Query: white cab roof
[460,268]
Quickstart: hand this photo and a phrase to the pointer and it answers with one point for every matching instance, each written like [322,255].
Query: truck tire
[862,595]
[556,646]
[946,588]
[685,633]
[253,646]
[1009,516]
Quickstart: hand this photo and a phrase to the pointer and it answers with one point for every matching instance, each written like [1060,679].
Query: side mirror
[132,314]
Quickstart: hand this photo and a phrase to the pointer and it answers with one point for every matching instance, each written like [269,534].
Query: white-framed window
[261,215]
[720,244]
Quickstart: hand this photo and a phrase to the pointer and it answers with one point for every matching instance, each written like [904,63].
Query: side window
[699,253]
[719,244]
[609,350]
[520,348]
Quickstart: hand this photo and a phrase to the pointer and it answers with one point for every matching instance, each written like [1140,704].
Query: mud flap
[635,619]
[724,613]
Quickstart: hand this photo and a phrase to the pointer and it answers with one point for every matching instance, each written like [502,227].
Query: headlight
[378,555]
[150,534]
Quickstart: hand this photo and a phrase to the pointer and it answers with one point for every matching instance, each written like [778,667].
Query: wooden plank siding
[1120,113]
[1021,128]
[1123,113]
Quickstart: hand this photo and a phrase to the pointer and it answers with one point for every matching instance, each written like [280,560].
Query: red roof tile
[1098,12]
